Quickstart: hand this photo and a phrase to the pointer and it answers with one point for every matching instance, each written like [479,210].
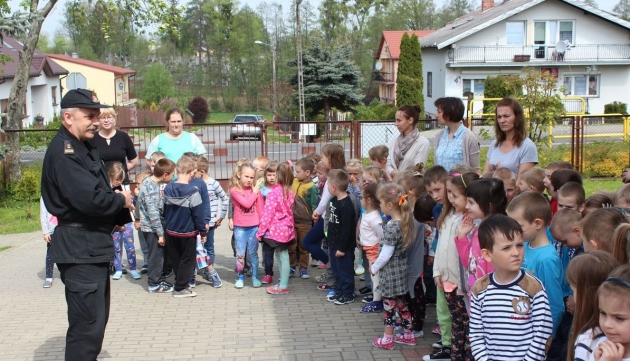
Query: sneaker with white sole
[184,293]
[437,344]
[240,282]
[379,343]
[344,300]
[163,287]
[441,354]
[304,274]
[216,280]
[406,339]
[48,282]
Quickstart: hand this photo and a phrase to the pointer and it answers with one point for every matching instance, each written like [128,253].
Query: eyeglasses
[107,117]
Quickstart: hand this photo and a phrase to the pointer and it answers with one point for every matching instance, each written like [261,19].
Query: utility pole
[299,62]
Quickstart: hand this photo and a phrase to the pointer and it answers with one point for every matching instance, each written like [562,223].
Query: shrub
[28,188]
[199,107]
[615,107]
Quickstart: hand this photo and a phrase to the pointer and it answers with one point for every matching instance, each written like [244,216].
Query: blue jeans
[209,245]
[343,269]
[311,241]
[245,238]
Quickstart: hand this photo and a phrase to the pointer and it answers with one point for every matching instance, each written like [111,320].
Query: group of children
[510,280]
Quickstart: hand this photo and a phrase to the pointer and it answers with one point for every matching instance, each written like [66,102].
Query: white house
[44,88]
[586,48]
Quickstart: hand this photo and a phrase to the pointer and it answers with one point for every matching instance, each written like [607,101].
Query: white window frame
[472,82]
[552,31]
[521,25]
[571,85]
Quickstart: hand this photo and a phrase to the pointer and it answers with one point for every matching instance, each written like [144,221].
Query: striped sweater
[217,197]
[511,321]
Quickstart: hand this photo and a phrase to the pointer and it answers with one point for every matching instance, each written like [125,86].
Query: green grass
[4,248]
[592,185]
[13,215]
[226,117]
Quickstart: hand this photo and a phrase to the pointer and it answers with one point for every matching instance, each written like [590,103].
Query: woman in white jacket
[409,148]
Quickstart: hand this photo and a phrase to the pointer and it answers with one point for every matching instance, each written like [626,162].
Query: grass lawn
[592,185]
[4,248]
[13,215]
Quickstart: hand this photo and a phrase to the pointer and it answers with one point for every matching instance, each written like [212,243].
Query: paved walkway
[218,324]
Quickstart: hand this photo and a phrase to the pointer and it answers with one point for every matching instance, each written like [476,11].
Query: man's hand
[128,199]
[340,254]
[47,238]
[161,241]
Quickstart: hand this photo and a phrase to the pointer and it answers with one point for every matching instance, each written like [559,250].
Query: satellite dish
[378,65]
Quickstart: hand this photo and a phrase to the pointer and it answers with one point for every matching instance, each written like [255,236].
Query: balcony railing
[382,76]
[511,53]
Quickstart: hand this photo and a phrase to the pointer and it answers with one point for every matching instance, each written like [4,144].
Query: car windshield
[244,119]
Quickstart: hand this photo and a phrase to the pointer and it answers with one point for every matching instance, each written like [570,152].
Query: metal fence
[291,140]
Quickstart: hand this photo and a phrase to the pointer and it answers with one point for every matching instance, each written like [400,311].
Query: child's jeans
[126,237]
[245,239]
[343,269]
[311,242]
[268,253]
[155,261]
[209,245]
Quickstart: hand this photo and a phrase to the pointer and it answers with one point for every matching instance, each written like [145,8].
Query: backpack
[302,212]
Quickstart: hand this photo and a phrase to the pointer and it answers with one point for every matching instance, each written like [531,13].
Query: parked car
[246,126]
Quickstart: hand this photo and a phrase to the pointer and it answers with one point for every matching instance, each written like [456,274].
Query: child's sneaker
[304,274]
[276,290]
[135,274]
[322,266]
[437,344]
[331,297]
[256,282]
[365,291]
[321,278]
[117,275]
[292,272]
[380,343]
[216,280]
[359,270]
[267,279]
[184,293]
[161,288]
[314,263]
[362,277]
[344,300]
[373,307]
[240,282]
[144,269]
[207,276]
[367,299]
[436,330]
[48,282]
[192,283]
[440,354]
[406,339]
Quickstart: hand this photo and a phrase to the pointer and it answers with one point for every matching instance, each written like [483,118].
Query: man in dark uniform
[76,189]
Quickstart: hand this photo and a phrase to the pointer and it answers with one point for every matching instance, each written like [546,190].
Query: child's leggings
[396,306]
[444,317]
[245,238]
[49,263]
[460,344]
[417,305]
[126,236]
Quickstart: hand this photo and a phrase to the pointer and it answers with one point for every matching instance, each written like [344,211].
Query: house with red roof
[43,93]
[387,57]
[110,83]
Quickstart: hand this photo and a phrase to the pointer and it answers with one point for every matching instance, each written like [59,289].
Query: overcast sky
[54,19]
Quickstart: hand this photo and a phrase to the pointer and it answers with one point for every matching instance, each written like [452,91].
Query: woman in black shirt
[115,146]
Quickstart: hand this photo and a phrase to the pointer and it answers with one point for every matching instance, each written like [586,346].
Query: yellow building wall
[99,81]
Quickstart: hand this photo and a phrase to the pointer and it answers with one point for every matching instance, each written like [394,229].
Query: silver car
[246,126]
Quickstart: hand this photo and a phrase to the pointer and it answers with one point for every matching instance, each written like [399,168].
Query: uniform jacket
[75,189]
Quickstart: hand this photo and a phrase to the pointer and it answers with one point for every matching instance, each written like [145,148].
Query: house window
[429,84]
[475,86]
[53,90]
[550,32]
[581,85]
[515,32]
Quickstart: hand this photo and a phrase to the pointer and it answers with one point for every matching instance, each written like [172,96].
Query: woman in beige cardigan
[409,148]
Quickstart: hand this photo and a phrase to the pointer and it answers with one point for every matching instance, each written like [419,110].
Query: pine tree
[331,80]
[409,80]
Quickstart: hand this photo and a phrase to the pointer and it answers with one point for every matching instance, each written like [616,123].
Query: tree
[592,3]
[156,85]
[540,100]
[622,9]
[199,107]
[409,80]
[453,10]
[331,80]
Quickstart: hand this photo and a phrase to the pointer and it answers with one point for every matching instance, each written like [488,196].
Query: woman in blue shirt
[455,144]
[175,141]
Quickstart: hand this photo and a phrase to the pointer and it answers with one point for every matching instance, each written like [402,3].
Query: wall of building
[99,81]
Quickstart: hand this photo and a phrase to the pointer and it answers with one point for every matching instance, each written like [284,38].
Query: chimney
[486,5]
[76,55]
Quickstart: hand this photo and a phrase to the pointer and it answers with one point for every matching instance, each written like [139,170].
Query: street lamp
[273,65]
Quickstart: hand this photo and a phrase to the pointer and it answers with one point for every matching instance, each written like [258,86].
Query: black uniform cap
[81,98]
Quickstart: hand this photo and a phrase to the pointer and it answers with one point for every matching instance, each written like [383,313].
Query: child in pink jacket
[276,226]
[485,197]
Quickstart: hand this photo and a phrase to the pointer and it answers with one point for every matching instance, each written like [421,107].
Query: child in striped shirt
[510,317]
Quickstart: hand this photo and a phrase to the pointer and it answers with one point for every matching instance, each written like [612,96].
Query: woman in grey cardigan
[409,148]
[455,144]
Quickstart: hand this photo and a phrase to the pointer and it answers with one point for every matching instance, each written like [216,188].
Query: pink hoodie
[277,217]
[470,255]
[247,207]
